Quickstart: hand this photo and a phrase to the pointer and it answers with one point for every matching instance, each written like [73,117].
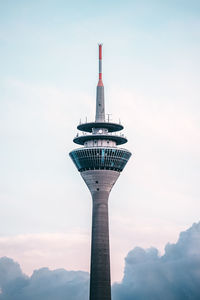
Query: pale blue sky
[48,77]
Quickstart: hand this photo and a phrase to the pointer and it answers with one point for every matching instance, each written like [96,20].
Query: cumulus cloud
[43,284]
[174,276]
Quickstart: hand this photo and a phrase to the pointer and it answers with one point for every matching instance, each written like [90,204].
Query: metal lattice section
[100,158]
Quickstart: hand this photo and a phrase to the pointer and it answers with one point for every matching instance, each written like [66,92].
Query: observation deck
[100,158]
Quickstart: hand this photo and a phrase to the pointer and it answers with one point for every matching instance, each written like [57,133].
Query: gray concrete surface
[100,183]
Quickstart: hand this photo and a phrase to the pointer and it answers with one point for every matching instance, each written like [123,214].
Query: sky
[48,79]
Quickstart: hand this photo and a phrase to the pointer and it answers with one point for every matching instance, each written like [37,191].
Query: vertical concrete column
[100,183]
[100,106]
[100,287]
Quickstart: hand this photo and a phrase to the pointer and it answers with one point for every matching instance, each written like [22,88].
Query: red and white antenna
[100,107]
[100,83]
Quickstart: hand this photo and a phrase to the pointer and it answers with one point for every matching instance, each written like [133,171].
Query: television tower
[100,163]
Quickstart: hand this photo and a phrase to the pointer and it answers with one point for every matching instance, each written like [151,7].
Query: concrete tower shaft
[100,183]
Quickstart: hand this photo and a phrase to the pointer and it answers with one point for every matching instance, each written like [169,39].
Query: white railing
[103,133]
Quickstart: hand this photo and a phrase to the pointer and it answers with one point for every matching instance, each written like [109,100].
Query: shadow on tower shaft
[100,162]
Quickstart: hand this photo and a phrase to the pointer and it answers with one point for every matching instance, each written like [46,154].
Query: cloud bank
[43,284]
[174,276]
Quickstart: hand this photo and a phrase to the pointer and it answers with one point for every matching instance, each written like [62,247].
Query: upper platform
[111,127]
[119,140]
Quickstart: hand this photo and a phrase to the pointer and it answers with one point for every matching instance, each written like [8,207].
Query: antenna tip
[100,51]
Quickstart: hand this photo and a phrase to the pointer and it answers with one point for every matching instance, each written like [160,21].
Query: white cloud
[43,284]
[175,275]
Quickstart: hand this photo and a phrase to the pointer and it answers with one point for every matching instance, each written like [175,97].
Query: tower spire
[100,106]
[100,83]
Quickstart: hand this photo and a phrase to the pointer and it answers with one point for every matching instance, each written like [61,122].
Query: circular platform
[80,140]
[100,158]
[112,127]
